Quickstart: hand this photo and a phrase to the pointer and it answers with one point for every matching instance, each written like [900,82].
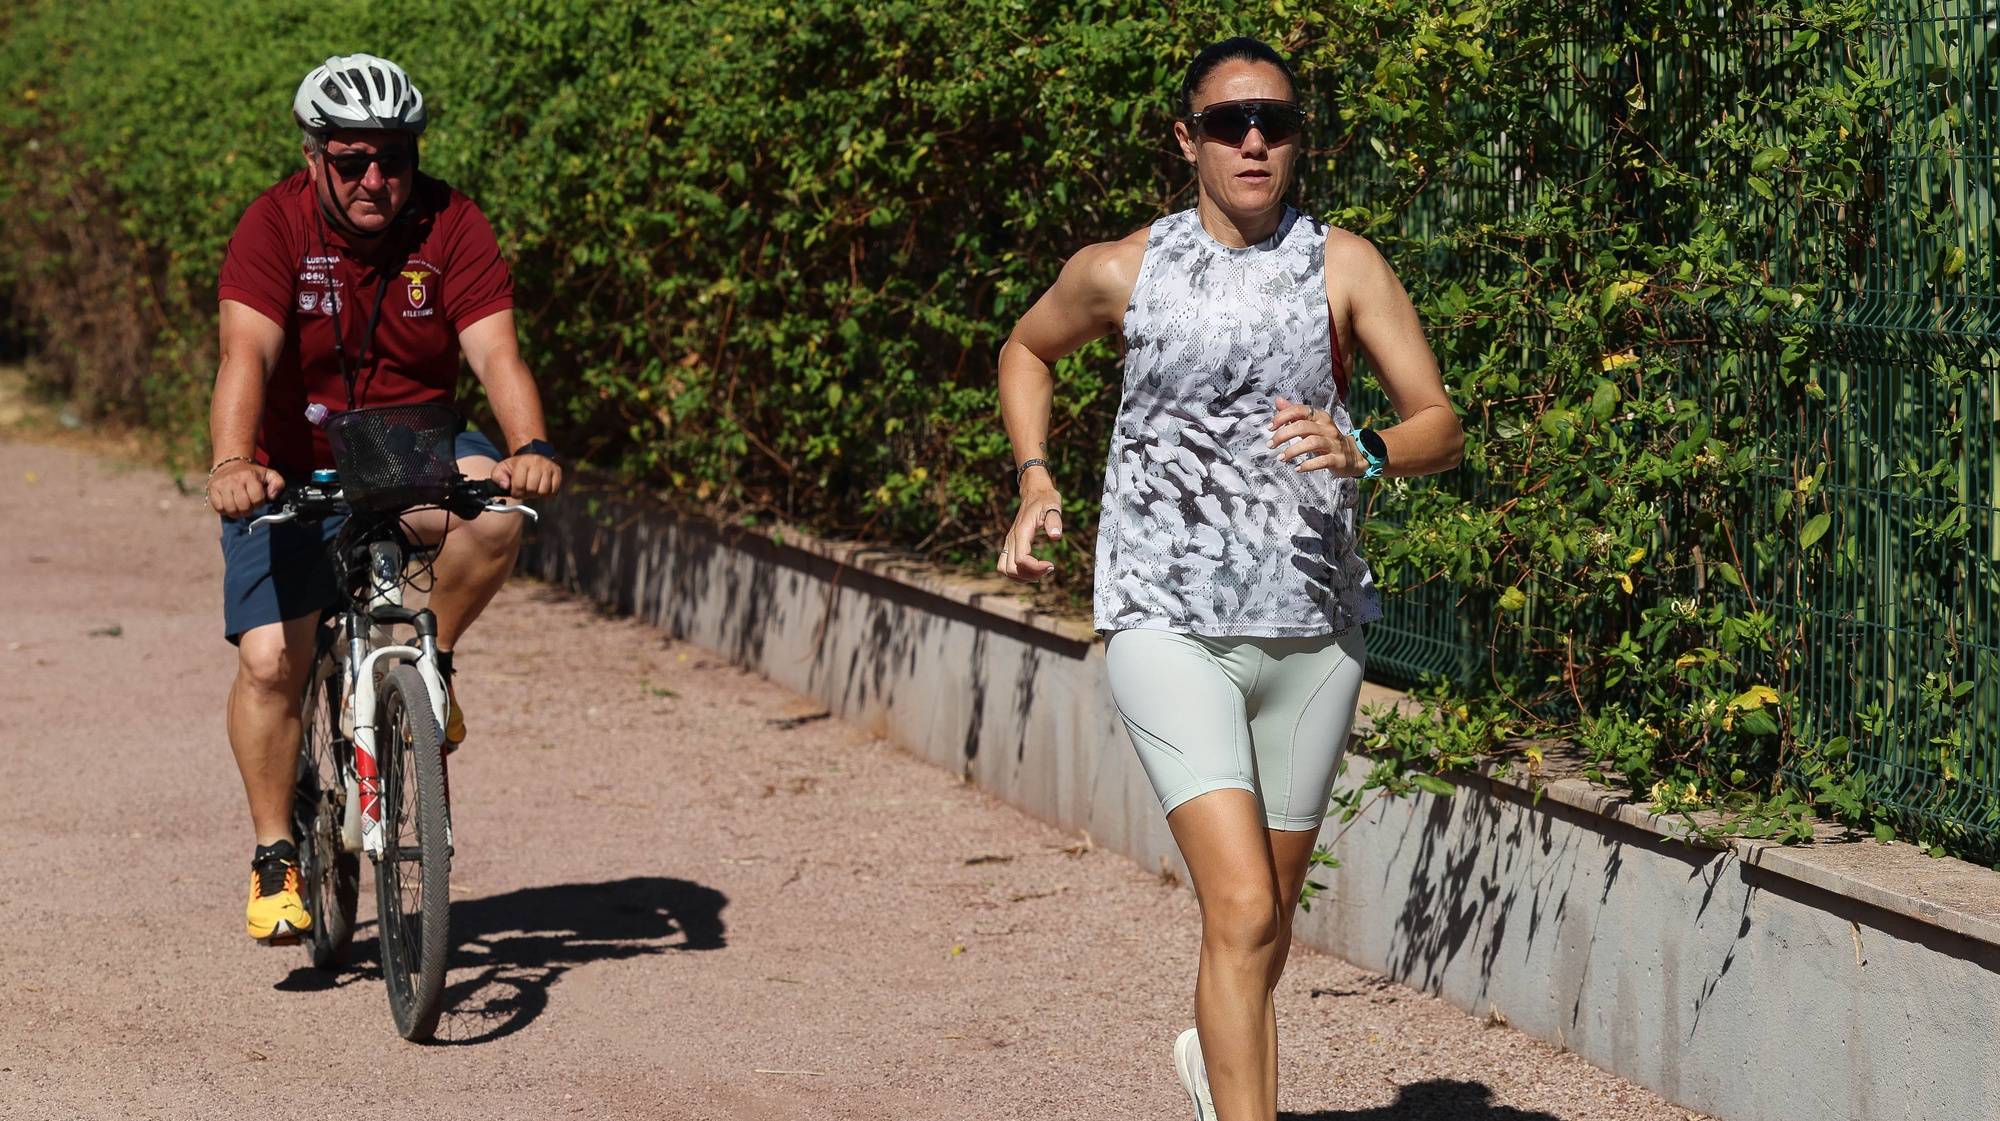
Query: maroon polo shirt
[437,272]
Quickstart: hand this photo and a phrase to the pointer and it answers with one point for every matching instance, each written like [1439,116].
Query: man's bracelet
[1023,470]
[227,462]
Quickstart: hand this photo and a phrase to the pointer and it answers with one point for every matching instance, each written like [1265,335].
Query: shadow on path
[1438,1099]
[517,946]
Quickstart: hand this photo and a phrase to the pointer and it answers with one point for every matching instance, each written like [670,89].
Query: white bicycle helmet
[359,91]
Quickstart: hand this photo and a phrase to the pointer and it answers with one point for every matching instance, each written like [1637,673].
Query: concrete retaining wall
[1752,984]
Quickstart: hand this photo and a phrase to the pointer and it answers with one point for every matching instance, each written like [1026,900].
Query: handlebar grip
[481,491]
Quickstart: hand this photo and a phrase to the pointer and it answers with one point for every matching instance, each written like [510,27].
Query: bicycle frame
[368,656]
[366,653]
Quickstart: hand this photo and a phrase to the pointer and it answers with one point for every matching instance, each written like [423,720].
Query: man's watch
[1373,450]
[537,447]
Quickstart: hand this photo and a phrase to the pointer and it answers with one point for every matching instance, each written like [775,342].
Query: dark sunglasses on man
[351,166]
[1231,121]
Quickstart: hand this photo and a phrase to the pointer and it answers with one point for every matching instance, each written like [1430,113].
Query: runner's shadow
[518,944]
[1436,1099]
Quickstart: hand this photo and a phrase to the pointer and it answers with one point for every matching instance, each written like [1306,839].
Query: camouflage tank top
[1205,530]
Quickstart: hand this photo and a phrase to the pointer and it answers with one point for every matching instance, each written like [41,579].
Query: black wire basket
[395,456]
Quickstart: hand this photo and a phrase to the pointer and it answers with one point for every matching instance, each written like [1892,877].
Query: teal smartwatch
[1373,450]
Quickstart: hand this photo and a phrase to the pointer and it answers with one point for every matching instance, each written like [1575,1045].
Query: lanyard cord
[350,374]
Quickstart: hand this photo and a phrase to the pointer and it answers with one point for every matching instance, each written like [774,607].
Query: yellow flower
[1623,357]
[1635,556]
[1686,660]
[1625,582]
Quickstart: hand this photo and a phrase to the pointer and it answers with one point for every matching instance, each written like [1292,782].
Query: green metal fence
[1898,623]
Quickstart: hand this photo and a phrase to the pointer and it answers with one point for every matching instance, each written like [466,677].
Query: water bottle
[316,415]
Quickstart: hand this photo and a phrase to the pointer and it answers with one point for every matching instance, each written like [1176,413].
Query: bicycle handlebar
[312,500]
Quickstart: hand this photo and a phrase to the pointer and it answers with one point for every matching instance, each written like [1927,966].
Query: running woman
[1230,581]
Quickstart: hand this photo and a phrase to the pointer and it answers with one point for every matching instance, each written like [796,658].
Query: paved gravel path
[681,892]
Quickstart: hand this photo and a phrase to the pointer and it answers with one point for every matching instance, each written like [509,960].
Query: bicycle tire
[331,876]
[415,926]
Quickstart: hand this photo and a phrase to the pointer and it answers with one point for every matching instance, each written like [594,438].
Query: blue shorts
[283,572]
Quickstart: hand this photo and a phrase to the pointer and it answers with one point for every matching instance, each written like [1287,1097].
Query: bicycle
[372,779]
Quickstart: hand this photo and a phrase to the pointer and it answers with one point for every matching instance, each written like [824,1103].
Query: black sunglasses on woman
[1231,121]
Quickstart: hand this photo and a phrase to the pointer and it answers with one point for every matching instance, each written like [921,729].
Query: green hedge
[767,253]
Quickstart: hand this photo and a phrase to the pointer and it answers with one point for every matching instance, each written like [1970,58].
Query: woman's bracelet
[227,462]
[1023,470]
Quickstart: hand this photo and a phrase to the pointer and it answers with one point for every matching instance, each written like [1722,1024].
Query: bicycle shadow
[520,943]
[1435,1099]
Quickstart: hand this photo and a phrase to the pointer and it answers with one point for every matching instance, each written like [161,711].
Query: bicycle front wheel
[331,875]
[413,877]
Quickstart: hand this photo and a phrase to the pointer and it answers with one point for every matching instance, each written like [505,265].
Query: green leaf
[1513,599]
[1768,159]
[1763,187]
[1728,573]
[1604,400]
[1758,723]
[1431,784]
[1814,530]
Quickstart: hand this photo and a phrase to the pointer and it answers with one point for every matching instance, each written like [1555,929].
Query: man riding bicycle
[356,282]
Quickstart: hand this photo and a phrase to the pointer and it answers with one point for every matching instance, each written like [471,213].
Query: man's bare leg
[263,719]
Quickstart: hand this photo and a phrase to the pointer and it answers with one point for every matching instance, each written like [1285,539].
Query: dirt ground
[680,892]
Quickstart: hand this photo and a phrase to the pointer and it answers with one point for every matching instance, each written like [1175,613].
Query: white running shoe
[1194,1075]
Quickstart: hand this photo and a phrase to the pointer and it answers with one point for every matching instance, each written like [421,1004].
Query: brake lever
[497,507]
[283,516]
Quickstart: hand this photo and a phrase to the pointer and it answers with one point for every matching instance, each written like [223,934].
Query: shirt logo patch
[418,293]
[308,302]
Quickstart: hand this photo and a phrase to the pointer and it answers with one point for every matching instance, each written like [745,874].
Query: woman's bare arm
[1428,438]
[1086,302]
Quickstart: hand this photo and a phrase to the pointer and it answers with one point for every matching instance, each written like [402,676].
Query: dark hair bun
[1215,54]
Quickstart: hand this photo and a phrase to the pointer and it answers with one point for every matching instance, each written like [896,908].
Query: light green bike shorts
[1267,715]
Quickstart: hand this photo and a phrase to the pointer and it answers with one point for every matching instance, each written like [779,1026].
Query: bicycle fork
[361,827]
